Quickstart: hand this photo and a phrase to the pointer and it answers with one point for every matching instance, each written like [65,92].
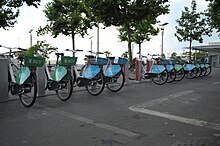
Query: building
[213,49]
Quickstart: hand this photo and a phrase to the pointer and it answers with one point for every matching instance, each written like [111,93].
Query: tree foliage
[9,11]
[67,17]
[192,26]
[213,13]
[125,12]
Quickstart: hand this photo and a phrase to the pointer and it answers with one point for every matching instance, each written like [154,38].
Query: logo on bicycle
[34,61]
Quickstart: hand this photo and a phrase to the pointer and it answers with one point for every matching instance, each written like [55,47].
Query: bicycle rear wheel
[96,85]
[171,76]
[28,92]
[203,72]
[117,82]
[161,78]
[180,75]
[65,89]
[199,72]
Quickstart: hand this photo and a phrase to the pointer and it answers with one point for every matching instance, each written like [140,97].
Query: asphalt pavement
[184,113]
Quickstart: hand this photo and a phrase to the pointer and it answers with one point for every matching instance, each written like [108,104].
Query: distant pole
[31,37]
[162,34]
[91,44]
[98,39]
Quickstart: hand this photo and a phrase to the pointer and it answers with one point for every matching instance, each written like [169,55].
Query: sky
[32,18]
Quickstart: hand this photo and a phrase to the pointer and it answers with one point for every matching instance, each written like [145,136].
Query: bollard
[40,81]
[138,70]
[4,80]
[148,65]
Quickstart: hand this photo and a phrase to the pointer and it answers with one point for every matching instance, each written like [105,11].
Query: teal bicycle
[24,84]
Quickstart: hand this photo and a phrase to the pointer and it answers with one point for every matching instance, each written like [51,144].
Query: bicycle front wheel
[96,85]
[171,76]
[161,78]
[117,82]
[28,92]
[65,89]
[191,74]
[208,71]
[180,75]
[131,71]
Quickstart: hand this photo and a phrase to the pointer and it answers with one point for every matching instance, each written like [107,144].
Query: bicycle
[190,69]
[180,73]
[62,81]
[158,73]
[91,76]
[24,84]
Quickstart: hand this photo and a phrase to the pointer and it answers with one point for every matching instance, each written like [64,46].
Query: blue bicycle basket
[101,61]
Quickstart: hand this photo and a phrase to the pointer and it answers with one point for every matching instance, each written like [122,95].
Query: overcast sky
[32,18]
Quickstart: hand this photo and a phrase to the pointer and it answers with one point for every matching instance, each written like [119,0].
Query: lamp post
[162,33]
[31,37]
[91,44]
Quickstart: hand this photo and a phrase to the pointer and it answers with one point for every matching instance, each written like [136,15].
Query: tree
[213,13]
[123,12]
[41,48]
[140,32]
[191,26]
[9,11]
[125,54]
[107,53]
[67,17]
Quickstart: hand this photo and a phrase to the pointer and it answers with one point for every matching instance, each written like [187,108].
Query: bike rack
[4,80]
[40,72]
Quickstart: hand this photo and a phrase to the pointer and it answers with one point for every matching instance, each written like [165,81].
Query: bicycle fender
[59,73]
[178,67]
[169,67]
[189,67]
[22,76]
[112,70]
[156,69]
[91,71]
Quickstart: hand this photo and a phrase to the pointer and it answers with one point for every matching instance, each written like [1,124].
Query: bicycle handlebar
[74,51]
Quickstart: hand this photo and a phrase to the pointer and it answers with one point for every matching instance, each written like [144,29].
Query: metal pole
[31,37]
[97,39]
[162,29]
[91,44]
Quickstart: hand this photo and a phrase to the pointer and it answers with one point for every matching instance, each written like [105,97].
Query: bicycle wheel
[180,75]
[96,85]
[65,89]
[171,76]
[191,74]
[28,92]
[203,72]
[117,82]
[161,78]
[132,74]
[208,71]
[199,72]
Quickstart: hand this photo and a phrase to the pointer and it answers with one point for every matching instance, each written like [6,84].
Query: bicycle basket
[68,61]
[119,60]
[34,61]
[101,61]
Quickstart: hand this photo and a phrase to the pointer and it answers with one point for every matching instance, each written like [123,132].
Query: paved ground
[145,114]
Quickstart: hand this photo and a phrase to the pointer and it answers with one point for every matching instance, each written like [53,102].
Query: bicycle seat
[20,57]
[59,54]
[90,56]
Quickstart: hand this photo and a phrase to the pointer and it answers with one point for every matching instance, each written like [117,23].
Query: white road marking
[216,83]
[95,123]
[142,108]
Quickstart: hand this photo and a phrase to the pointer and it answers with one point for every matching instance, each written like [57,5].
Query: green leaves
[9,11]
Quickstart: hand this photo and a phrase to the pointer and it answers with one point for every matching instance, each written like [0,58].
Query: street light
[31,37]
[91,44]
[162,33]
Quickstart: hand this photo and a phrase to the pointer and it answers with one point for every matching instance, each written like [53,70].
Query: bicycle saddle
[59,54]
[90,56]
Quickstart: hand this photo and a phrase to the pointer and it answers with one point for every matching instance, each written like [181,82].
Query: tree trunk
[190,48]
[129,43]
[139,44]
[73,42]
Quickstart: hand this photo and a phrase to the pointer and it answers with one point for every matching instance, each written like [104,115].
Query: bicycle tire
[191,74]
[180,75]
[208,71]
[132,72]
[66,88]
[199,72]
[96,85]
[171,76]
[117,82]
[29,94]
[203,72]
[162,78]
